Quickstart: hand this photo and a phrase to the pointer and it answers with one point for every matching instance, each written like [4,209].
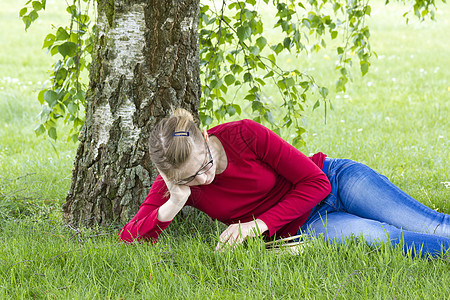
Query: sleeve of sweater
[309,184]
[145,224]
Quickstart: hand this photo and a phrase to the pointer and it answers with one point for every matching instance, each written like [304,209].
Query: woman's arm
[237,233]
[179,194]
[155,214]
[309,184]
[169,210]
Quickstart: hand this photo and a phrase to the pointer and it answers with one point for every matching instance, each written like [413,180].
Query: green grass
[399,127]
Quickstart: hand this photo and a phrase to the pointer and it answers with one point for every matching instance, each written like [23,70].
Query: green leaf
[253,50]
[256,105]
[22,12]
[209,104]
[61,74]
[51,97]
[58,110]
[41,97]
[334,34]
[261,42]
[316,105]
[52,133]
[78,122]
[230,58]
[37,5]
[260,81]
[323,91]
[61,34]
[221,111]
[231,110]
[269,117]
[54,50]
[244,32]
[340,84]
[300,131]
[72,9]
[67,49]
[73,108]
[297,142]
[229,79]
[236,69]
[285,26]
[73,38]
[270,74]
[364,67]
[74,138]
[250,97]
[27,21]
[277,48]
[272,59]
[223,88]
[49,40]
[206,120]
[287,43]
[281,84]
[83,19]
[289,82]
[81,96]
[307,23]
[304,85]
[39,130]
[248,77]
[33,16]
[237,108]
[216,83]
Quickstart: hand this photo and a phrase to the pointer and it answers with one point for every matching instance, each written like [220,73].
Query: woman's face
[197,163]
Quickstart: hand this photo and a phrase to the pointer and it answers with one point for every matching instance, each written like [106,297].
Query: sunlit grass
[395,119]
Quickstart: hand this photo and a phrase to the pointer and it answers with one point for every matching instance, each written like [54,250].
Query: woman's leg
[365,193]
[338,226]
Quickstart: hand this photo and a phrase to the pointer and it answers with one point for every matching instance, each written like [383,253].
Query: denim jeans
[366,204]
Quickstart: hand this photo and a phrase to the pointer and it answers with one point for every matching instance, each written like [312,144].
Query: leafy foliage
[73,44]
[235,56]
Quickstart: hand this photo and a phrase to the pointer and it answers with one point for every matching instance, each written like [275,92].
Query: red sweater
[266,178]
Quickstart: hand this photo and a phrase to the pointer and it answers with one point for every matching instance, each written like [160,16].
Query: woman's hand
[237,233]
[179,194]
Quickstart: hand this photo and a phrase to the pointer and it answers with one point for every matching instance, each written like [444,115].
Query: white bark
[125,43]
[126,40]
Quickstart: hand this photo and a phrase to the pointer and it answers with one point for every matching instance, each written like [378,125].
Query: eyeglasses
[205,168]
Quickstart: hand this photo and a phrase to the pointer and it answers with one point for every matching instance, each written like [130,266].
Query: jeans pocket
[332,201]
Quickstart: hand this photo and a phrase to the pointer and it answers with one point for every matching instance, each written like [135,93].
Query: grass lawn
[395,119]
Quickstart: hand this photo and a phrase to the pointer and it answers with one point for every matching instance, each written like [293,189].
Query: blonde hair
[169,152]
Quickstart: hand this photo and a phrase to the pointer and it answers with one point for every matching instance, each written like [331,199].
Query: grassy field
[395,119]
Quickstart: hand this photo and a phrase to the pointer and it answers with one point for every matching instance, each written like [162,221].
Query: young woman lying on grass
[246,176]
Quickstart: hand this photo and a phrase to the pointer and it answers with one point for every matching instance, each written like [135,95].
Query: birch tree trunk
[146,61]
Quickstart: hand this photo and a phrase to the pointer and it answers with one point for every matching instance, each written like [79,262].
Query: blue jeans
[366,204]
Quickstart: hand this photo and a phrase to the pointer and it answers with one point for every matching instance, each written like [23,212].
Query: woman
[246,176]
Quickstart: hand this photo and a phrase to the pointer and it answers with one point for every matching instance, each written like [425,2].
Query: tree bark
[146,61]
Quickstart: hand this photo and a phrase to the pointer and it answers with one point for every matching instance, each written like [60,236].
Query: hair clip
[181,133]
